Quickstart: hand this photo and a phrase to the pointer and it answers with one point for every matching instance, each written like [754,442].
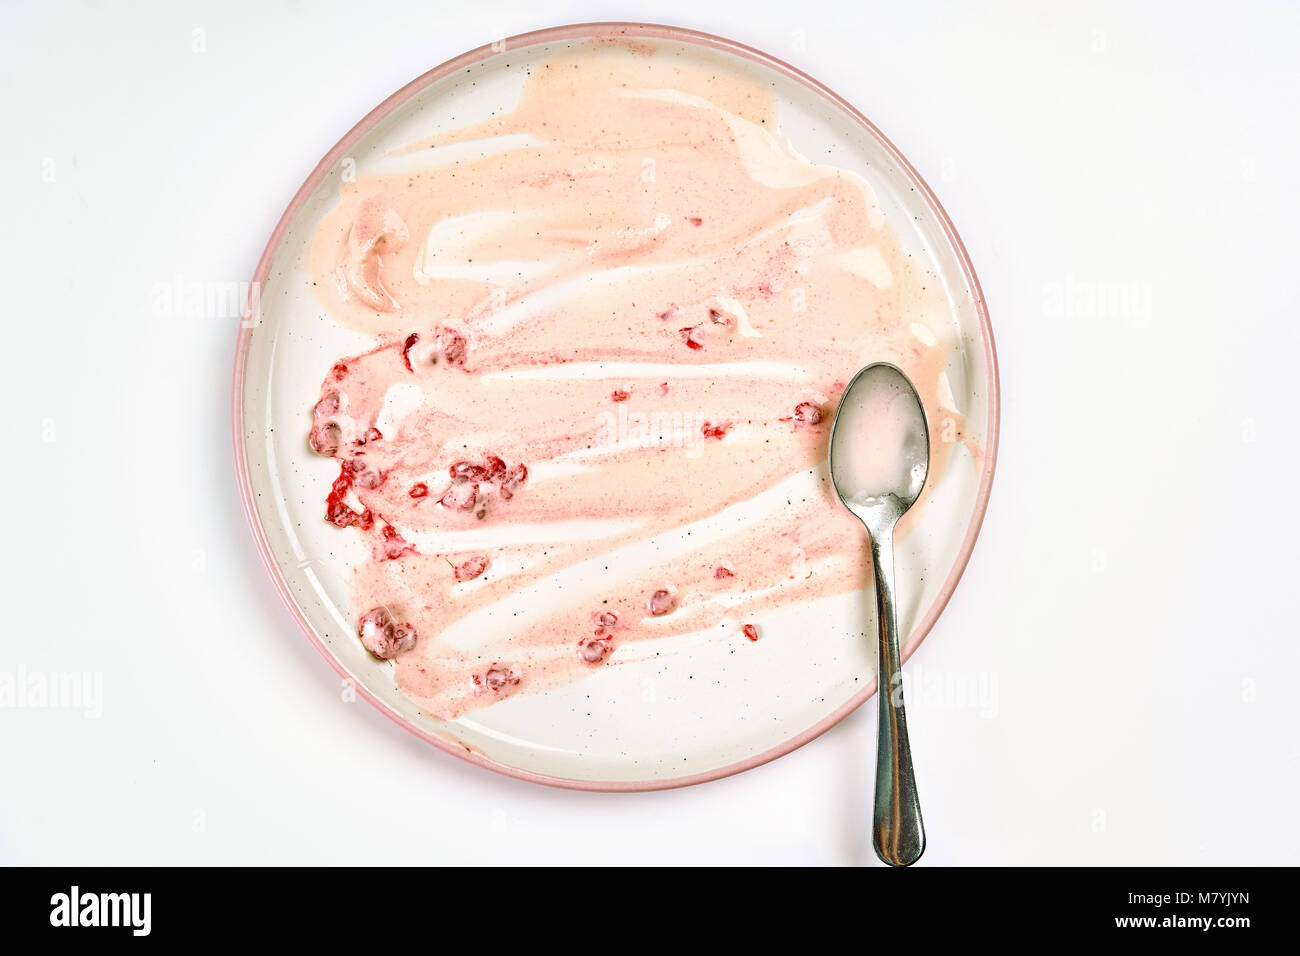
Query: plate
[666,710]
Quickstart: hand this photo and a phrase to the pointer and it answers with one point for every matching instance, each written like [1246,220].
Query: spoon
[879,458]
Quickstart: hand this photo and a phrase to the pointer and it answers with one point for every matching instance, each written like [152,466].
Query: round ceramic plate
[653,724]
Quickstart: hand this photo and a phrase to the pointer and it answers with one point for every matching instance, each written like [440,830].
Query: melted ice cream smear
[610,327]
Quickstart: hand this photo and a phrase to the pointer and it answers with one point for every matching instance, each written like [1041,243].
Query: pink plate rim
[595,31]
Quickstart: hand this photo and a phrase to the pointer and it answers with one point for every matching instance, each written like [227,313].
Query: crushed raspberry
[606,621]
[620,395]
[327,406]
[325,439]
[372,434]
[722,571]
[382,636]
[337,512]
[808,413]
[364,476]
[339,370]
[690,336]
[750,631]
[394,544]
[419,490]
[512,479]
[593,649]
[406,350]
[495,469]
[709,430]
[718,317]
[469,570]
[695,220]
[661,602]
[453,346]
[461,496]
[467,471]
[498,678]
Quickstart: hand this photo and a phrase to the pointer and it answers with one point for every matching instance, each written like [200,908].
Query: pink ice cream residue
[626,321]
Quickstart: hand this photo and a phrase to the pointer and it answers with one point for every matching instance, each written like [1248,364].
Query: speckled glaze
[651,724]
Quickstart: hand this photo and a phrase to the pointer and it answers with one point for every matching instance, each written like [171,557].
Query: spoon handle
[896,828]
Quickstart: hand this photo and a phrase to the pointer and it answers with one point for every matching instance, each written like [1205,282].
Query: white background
[1125,180]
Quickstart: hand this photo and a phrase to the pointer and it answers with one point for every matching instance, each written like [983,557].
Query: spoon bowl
[880,444]
[879,461]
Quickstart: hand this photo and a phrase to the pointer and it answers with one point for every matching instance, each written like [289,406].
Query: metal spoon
[879,457]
